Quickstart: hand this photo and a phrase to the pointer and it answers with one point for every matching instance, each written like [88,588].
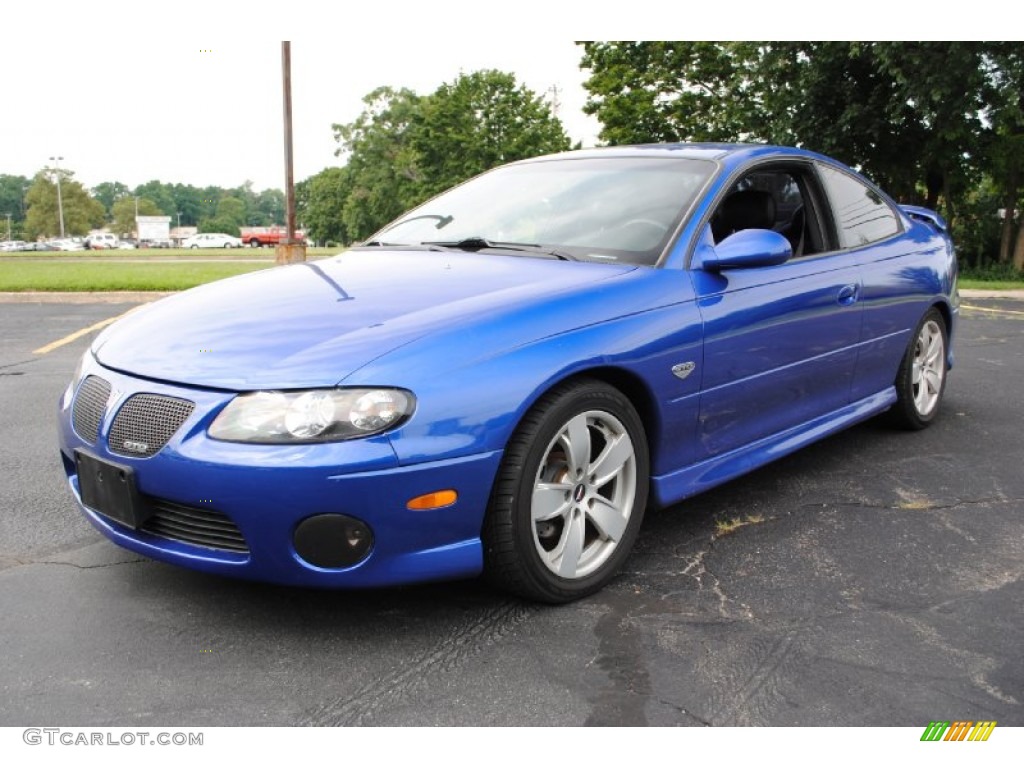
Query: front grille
[90,404]
[194,525]
[145,423]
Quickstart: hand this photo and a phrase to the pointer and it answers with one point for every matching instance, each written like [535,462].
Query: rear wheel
[570,495]
[921,379]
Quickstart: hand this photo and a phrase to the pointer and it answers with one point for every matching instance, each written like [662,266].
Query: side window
[776,199]
[861,216]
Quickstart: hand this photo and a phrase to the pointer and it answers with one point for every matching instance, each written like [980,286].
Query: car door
[898,275]
[780,342]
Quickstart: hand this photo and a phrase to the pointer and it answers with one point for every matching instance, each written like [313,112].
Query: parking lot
[872,579]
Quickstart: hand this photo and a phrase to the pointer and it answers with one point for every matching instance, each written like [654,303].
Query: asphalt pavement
[874,579]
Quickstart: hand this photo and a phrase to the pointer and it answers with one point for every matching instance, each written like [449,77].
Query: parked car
[503,379]
[211,240]
[100,241]
[12,245]
[68,244]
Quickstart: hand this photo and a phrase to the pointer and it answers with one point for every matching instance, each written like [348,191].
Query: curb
[82,297]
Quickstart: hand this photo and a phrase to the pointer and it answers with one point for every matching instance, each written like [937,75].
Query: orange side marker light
[434,500]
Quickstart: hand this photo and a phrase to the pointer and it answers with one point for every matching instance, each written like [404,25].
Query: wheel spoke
[612,459]
[577,437]
[933,380]
[607,518]
[549,501]
[568,560]
[934,349]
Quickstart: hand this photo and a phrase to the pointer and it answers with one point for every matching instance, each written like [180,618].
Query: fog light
[333,541]
[434,500]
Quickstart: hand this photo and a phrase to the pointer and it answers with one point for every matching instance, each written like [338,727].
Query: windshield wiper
[405,246]
[479,243]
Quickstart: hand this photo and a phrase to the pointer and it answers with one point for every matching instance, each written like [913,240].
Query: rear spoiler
[926,215]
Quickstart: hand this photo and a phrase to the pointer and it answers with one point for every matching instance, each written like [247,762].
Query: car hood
[314,324]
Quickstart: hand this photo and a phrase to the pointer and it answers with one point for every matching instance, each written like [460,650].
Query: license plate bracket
[110,489]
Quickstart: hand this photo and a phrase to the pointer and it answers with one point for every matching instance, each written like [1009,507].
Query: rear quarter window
[861,215]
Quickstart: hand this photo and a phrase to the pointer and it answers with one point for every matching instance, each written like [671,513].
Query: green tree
[12,202]
[123,214]
[383,168]
[231,209]
[320,204]
[187,204]
[478,121]
[81,212]
[109,192]
[404,147]
[270,205]
[1005,113]
[227,226]
[159,193]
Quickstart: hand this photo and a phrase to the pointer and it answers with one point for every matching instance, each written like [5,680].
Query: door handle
[848,294]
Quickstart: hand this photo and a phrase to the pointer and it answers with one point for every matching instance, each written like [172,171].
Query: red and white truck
[259,236]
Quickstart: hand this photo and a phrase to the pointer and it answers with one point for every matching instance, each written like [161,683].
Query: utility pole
[60,202]
[8,227]
[556,103]
[289,250]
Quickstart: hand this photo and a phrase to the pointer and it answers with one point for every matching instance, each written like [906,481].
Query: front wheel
[921,379]
[570,495]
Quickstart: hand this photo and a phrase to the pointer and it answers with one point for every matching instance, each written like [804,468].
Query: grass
[104,276]
[157,254]
[992,277]
[725,527]
[993,285]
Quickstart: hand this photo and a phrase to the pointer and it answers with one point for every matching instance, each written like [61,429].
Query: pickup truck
[259,236]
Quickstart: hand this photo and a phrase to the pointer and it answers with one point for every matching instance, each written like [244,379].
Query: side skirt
[676,486]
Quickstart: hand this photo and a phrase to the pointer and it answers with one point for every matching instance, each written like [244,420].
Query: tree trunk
[1006,238]
[1018,252]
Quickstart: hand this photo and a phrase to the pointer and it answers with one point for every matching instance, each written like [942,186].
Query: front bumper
[268,490]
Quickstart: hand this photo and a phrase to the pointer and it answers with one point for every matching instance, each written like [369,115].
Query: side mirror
[749,248]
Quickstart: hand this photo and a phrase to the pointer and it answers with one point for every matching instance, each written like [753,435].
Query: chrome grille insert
[194,525]
[145,423]
[90,405]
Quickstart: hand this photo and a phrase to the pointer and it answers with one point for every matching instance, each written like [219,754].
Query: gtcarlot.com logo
[71,738]
[958,730]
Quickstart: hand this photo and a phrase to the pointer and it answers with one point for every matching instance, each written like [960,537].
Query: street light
[60,202]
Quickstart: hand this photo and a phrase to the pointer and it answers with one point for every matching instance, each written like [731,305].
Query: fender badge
[683,370]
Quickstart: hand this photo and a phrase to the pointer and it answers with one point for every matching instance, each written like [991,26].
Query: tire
[195,247]
[921,379]
[254,243]
[570,495]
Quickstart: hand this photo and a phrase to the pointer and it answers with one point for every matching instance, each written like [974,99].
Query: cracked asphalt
[872,579]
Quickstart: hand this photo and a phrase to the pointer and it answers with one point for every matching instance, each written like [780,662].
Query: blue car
[503,379]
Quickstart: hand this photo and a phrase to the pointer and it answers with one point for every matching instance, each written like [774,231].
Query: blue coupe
[503,379]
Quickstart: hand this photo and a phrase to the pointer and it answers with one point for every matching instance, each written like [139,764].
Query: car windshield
[609,208]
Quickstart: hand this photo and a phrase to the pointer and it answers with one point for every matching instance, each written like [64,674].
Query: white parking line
[79,334]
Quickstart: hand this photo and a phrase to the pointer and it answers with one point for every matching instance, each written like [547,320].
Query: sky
[190,92]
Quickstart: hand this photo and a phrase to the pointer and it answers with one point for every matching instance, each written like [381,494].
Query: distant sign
[153,227]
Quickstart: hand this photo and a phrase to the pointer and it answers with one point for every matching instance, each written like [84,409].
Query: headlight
[312,416]
[69,391]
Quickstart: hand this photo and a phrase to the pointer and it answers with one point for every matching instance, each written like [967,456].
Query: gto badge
[683,370]
[135,446]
